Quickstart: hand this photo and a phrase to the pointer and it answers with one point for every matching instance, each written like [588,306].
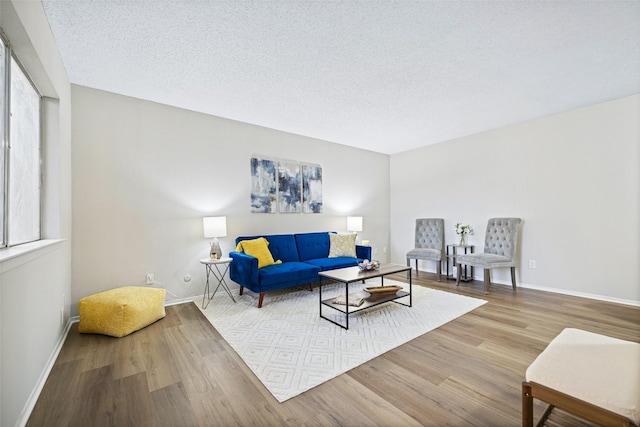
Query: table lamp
[215,226]
[354,223]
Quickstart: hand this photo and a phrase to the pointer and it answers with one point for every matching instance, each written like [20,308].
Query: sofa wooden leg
[311,287]
[241,289]
[260,299]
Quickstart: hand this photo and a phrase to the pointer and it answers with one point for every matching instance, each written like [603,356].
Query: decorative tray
[383,290]
[367,265]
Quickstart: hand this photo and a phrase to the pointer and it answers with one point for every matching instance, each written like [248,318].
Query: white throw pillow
[342,245]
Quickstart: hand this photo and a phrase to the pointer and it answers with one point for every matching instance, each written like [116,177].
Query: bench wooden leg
[570,404]
[527,405]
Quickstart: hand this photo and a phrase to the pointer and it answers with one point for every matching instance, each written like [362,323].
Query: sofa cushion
[275,274]
[342,245]
[312,245]
[258,248]
[333,263]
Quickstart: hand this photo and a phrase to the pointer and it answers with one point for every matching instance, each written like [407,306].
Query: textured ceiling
[387,76]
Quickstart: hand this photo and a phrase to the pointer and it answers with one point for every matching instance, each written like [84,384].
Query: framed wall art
[285,186]
[311,188]
[289,187]
[263,185]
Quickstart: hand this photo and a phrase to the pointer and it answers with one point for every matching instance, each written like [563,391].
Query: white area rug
[291,349]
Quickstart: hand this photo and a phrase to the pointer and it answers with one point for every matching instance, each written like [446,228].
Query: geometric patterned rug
[291,349]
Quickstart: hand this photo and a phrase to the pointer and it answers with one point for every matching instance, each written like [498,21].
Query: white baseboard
[558,291]
[566,292]
[183,300]
[578,294]
[37,389]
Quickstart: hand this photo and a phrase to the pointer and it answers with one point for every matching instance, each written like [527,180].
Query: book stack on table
[355,300]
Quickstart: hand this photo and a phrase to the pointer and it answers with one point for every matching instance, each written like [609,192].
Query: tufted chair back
[430,233]
[501,237]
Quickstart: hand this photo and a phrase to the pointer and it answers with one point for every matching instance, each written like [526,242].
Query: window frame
[5,149]
[5,140]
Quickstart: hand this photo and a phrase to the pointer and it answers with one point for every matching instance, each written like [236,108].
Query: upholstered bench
[593,376]
[121,311]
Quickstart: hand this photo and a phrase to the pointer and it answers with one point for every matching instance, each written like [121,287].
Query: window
[20,169]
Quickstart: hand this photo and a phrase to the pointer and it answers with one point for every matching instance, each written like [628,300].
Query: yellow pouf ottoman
[120,311]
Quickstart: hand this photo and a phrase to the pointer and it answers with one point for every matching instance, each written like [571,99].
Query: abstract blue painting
[289,187]
[311,189]
[263,186]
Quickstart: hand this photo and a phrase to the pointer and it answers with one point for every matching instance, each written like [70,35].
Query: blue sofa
[303,256]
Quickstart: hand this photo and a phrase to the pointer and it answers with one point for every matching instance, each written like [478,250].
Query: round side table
[209,264]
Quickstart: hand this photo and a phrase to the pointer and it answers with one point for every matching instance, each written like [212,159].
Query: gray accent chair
[429,242]
[500,250]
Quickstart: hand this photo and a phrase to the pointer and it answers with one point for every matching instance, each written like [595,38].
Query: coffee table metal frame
[354,274]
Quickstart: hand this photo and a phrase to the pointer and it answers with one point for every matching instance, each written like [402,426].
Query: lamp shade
[214,226]
[354,223]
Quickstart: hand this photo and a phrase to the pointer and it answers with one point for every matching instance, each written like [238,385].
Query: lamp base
[216,252]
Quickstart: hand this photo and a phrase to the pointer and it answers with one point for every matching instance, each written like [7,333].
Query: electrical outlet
[532,263]
[150,279]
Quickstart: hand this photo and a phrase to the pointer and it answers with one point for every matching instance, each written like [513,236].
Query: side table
[209,263]
[453,251]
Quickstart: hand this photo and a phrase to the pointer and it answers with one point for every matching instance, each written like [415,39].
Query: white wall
[35,279]
[572,177]
[145,174]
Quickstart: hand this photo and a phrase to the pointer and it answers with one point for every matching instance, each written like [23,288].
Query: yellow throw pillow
[342,245]
[258,248]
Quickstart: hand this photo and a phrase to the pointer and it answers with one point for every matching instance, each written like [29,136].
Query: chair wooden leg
[439,269]
[487,280]
[260,299]
[513,277]
[416,267]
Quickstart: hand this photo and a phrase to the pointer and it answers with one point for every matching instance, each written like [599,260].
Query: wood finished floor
[180,372]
